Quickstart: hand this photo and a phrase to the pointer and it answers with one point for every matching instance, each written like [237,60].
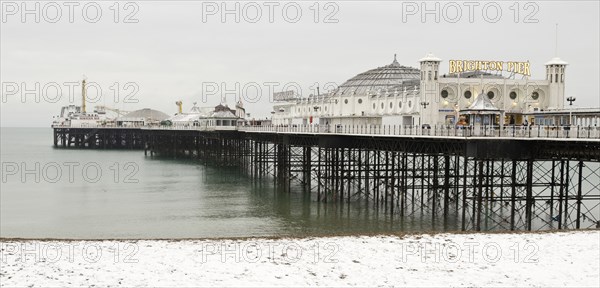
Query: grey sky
[171,52]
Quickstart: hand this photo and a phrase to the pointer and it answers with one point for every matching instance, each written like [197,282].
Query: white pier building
[395,94]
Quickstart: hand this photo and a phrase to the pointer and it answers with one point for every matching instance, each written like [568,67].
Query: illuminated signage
[458,66]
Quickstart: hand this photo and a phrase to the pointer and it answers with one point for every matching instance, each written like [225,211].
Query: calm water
[94,194]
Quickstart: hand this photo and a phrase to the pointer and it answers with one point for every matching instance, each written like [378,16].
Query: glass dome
[148,114]
[387,78]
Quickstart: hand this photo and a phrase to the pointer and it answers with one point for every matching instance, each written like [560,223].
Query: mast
[83,96]
[556,40]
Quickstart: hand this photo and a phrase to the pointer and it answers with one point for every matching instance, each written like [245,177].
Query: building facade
[404,95]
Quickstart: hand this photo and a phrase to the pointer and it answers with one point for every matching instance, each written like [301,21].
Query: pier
[98,137]
[451,178]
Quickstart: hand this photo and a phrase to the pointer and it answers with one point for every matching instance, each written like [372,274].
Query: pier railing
[191,128]
[512,131]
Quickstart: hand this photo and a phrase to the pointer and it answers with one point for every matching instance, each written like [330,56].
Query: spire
[395,61]
[556,41]
[556,60]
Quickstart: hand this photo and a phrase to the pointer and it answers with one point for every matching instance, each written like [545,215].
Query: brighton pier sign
[458,66]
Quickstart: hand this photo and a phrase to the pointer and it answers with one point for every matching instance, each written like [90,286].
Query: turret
[240,112]
[555,74]
[429,101]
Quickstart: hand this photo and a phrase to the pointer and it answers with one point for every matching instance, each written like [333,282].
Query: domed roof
[430,57]
[381,79]
[147,114]
[556,61]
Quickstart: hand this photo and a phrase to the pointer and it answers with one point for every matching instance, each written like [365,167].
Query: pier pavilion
[397,94]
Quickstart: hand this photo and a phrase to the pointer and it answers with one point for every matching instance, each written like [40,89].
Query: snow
[497,259]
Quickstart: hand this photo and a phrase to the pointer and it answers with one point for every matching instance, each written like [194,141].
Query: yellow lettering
[492,66]
[526,70]
[499,65]
[469,66]
[452,66]
[511,66]
[459,66]
[485,65]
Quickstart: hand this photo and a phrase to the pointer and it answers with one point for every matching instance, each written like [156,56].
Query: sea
[49,192]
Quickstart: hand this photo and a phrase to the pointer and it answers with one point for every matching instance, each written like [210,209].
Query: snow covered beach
[503,259]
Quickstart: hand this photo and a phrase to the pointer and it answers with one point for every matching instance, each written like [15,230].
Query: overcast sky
[179,50]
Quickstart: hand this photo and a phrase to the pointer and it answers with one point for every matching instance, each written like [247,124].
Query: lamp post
[456,110]
[424,104]
[571,99]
